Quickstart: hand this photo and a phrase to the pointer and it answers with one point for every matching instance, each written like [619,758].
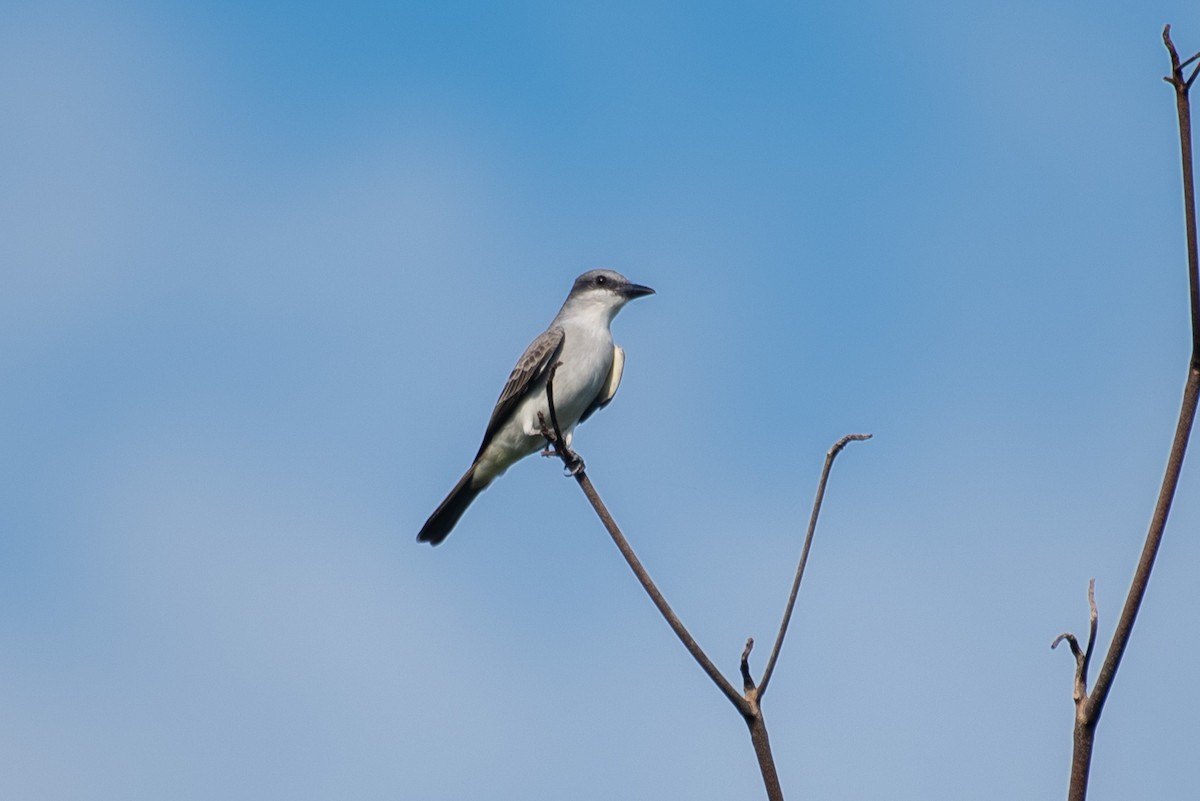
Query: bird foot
[571,460]
[573,463]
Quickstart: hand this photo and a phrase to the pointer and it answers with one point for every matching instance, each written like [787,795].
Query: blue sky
[265,268]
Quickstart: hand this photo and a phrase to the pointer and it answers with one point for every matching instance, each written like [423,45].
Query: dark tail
[445,517]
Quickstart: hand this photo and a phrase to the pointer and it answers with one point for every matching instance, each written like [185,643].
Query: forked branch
[1090,705]
[746,703]
[1082,657]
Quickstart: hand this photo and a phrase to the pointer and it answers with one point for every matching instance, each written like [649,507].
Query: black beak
[636,291]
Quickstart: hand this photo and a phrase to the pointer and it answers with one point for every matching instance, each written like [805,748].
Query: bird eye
[601,280]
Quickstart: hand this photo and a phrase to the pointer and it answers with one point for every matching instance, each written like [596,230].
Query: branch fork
[1083,657]
[1089,706]
[747,703]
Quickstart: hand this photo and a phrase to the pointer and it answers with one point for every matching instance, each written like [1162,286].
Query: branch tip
[846,440]
[1070,639]
[747,679]
[1093,618]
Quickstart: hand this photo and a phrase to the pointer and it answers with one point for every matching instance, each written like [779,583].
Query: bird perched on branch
[579,340]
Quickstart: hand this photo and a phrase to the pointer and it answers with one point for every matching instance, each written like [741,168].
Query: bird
[589,366]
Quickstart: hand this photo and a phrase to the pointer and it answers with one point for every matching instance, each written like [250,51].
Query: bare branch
[1187,412]
[1082,657]
[1088,709]
[747,705]
[1184,113]
[576,467]
[1158,524]
[766,762]
[808,538]
[652,590]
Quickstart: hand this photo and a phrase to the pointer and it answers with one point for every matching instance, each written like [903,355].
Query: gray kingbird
[580,340]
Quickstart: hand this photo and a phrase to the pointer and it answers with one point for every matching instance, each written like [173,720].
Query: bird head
[604,290]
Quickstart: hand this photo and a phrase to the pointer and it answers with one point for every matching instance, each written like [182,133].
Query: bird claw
[573,464]
[571,460]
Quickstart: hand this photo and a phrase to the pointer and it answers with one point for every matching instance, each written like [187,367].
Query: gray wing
[609,390]
[532,365]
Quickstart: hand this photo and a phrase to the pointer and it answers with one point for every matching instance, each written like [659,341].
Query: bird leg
[571,460]
[551,437]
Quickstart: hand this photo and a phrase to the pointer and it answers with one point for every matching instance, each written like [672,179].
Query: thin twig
[747,679]
[1183,111]
[664,608]
[1071,640]
[575,465]
[747,704]
[1158,524]
[1082,657]
[808,538]
[766,762]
